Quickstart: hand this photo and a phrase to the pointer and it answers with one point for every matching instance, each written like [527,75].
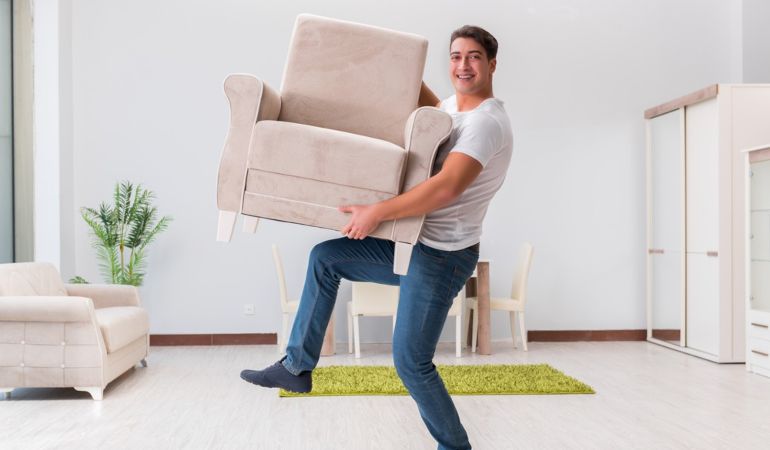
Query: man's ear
[492,65]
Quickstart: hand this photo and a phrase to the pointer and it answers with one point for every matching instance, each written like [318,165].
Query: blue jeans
[426,294]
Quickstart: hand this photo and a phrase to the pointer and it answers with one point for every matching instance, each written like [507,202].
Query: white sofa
[67,335]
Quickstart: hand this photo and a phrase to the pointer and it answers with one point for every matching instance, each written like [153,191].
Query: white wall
[47,201]
[147,105]
[756,41]
[68,207]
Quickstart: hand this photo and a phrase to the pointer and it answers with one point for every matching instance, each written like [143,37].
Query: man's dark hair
[478,34]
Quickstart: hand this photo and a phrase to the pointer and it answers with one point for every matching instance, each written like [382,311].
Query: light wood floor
[648,397]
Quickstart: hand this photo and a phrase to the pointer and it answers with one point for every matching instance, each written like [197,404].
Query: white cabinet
[757,186]
[695,224]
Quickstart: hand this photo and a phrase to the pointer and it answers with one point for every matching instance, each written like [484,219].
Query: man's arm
[457,173]
[427,97]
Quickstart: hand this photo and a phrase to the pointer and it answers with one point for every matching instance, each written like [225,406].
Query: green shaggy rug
[492,379]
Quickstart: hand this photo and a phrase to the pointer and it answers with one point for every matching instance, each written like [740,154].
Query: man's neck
[470,102]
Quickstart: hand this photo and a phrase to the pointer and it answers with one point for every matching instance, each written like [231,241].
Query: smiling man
[469,169]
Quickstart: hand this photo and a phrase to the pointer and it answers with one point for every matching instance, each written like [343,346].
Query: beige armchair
[74,335]
[344,129]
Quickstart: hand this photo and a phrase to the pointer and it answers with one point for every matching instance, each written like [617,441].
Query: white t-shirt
[483,133]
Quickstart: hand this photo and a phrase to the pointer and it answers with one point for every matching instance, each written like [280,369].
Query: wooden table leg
[327,349]
[485,344]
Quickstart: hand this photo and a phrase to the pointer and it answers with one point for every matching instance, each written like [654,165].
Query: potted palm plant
[122,231]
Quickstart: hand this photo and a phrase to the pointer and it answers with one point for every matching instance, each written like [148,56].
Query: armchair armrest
[426,129]
[45,309]
[251,100]
[106,295]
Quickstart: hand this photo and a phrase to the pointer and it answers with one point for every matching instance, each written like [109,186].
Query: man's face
[469,69]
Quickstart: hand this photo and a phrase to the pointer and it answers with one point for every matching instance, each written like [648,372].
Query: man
[469,169]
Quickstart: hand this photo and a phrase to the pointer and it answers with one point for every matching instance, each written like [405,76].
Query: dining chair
[515,304]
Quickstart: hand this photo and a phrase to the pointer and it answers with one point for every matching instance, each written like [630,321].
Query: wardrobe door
[666,296]
[702,176]
[666,181]
[702,303]
[665,238]
[702,229]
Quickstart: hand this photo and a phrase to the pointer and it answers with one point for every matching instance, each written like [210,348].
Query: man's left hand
[363,221]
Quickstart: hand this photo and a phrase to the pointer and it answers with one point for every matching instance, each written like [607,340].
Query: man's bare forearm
[457,173]
[436,192]
[430,195]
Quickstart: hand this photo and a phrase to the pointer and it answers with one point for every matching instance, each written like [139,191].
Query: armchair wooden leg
[401,258]
[225,225]
[144,362]
[96,392]
[250,224]
[523,331]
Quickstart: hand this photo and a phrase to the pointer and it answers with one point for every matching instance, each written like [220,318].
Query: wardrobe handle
[712,253]
[760,325]
[655,251]
[759,353]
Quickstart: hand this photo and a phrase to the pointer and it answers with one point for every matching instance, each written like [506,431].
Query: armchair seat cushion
[121,325]
[326,155]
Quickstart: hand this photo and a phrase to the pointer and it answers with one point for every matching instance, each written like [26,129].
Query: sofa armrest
[45,309]
[106,295]
[426,129]
[251,100]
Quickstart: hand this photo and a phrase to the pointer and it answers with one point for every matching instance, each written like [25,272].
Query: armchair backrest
[30,279]
[352,77]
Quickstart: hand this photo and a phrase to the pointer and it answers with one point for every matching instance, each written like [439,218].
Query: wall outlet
[248,309]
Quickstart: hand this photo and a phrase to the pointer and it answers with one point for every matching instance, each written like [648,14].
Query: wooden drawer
[759,352]
[759,324]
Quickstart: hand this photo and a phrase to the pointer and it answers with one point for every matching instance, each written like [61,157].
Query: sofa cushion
[122,325]
[30,279]
[327,155]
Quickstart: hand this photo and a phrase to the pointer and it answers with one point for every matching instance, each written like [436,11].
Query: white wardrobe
[696,219]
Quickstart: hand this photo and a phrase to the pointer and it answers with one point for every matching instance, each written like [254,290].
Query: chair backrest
[521,275]
[281,278]
[352,77]
[374,298]
[30,279]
